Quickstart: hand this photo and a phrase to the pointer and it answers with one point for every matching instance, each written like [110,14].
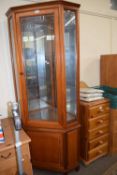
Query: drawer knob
[101,109]
[100,132]
[101,142]
[6,157]
[100,121]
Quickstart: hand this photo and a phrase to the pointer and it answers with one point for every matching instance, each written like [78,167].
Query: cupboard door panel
[46,148]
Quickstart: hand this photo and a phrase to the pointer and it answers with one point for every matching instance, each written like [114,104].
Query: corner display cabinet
[44,40]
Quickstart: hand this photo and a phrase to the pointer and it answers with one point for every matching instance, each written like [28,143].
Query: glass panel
[39,54]
[70,63]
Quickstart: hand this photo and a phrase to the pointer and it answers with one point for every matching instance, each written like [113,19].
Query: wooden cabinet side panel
[108,70]
[103,71]
[84,113]
[84,134]
[73,148]
[113,131]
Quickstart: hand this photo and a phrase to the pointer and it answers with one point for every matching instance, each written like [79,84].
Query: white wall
[98,26]
[6,80]
[95,40]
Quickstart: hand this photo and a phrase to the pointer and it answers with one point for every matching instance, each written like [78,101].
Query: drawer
[98,110]
[93,134]
[98,121]
[8,164]
[101,150]
[7,159]
[9,167]
[98,142]
[8,154]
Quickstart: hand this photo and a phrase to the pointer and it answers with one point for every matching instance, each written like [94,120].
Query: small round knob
[100,121]
[101,109]
[100,132]
[101,142]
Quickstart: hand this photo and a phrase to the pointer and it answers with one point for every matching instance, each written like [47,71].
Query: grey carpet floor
[98,167]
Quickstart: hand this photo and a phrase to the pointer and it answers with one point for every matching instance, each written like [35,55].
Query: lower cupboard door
[46,150]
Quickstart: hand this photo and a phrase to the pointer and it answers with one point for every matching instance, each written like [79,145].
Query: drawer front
[8,161]
[98,121]
[11,153]
[6,155]
[98,110]
[9,167]
[102,150]
[93,134]
[8,164]
[98,142]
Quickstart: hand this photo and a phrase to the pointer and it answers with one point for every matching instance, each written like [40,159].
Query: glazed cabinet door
[39,65]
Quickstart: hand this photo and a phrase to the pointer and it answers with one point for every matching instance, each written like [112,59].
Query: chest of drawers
[94,118]
[8,158]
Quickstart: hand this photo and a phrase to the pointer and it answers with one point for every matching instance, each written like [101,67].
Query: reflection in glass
[70,62]
[39,55]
